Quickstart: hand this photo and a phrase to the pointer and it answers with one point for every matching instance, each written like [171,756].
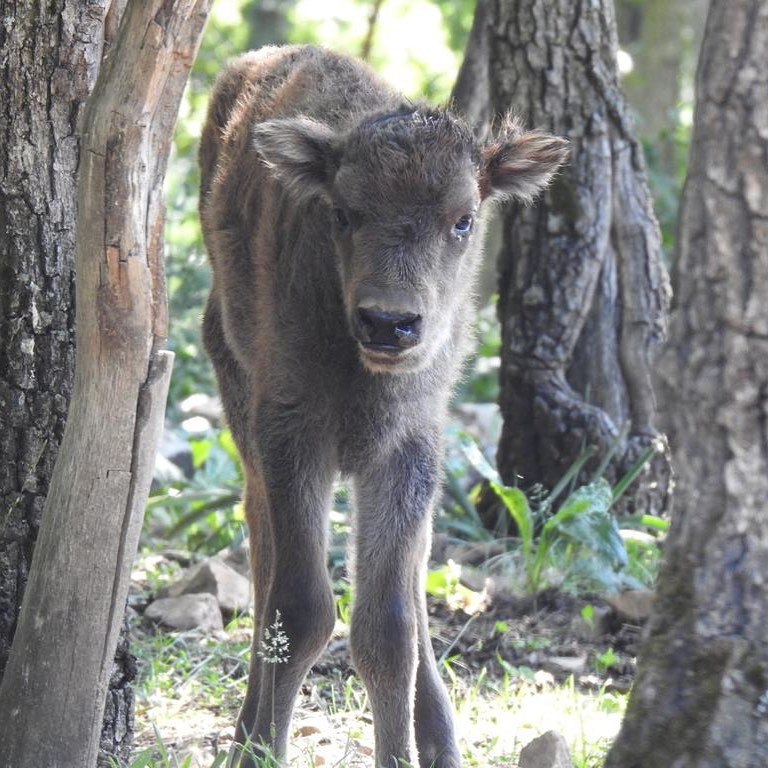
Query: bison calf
[343,227]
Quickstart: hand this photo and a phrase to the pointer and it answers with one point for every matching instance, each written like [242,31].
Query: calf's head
[402,194]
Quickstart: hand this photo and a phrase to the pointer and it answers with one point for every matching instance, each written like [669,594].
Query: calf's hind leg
[262,563]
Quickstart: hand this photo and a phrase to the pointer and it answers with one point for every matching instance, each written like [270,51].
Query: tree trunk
[583,293]
[53,691]
[48,64]
[700,699]
[47,68]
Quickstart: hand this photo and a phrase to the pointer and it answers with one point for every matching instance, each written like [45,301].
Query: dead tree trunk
[700,699]
[52,693]
[583,293]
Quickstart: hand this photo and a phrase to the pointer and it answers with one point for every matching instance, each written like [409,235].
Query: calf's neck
[343,226]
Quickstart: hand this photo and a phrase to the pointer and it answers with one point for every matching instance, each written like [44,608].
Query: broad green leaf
[476,458]
[201,450]
[517,505]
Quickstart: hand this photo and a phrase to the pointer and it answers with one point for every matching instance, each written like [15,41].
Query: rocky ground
[486,638]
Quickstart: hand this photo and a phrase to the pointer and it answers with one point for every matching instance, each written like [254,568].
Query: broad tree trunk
[583,293]
[49,57]
[48,64]
[52,694]
[700,699]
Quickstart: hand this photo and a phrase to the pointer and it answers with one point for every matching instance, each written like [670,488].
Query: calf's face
[402,193]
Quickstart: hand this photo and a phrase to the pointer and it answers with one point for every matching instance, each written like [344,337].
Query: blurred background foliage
[418,46]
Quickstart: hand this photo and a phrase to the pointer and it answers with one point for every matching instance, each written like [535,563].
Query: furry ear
[518,163]
[303,153]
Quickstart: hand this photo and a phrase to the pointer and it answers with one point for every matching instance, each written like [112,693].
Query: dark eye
[340,218]
[463,225]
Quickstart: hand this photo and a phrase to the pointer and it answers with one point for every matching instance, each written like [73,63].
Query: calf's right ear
[302,153]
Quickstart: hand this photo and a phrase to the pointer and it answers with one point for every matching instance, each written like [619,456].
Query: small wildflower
[274,644]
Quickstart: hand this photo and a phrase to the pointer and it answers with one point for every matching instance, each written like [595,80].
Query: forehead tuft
[411,149]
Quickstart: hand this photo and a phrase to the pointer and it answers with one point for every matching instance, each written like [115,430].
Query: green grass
[190,687]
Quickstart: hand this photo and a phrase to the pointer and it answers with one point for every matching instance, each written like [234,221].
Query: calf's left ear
[302,153]
[518,164]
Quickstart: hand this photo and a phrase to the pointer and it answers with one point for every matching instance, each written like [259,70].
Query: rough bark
[583,293]
[49,57]
[700,699]
[52,693]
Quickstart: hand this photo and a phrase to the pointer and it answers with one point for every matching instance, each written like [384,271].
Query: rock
[546,751]
[186,612]
[214,576]
[237,557]
[634,605]
[200,404]
[573,665]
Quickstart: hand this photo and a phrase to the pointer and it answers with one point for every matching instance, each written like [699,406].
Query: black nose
[388,331]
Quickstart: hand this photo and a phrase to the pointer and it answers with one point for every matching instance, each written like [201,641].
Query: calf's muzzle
[387,331]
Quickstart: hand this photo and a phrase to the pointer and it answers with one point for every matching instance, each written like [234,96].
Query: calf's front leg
[297,468]
[390,643]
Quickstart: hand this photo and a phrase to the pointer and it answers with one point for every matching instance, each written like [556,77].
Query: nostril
[407,332]
[367,323]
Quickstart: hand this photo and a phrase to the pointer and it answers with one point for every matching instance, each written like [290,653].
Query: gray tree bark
[52,694]
[700,699]
[49,57]
[48,64]
[583,292]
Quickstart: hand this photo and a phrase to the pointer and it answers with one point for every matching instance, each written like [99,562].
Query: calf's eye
[462,226]
[340,218]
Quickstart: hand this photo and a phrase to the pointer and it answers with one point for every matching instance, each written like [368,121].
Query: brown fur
[334,211]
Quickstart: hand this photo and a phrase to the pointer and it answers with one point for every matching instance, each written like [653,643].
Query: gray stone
[200,404]
[547,751]
[573,665]
[199,611]
[634,605]
[215,577]
[236,557]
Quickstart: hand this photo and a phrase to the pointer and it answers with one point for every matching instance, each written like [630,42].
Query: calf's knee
[383,639]
[307,617]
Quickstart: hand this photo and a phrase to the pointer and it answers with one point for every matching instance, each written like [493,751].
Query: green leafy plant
[581,536]
[606,659]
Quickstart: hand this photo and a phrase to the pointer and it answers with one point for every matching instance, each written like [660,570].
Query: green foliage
[577,538]
[606,659]
[205,509]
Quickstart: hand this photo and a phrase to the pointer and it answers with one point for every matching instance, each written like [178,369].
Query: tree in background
[662,39]
[583,292]
[701,694]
